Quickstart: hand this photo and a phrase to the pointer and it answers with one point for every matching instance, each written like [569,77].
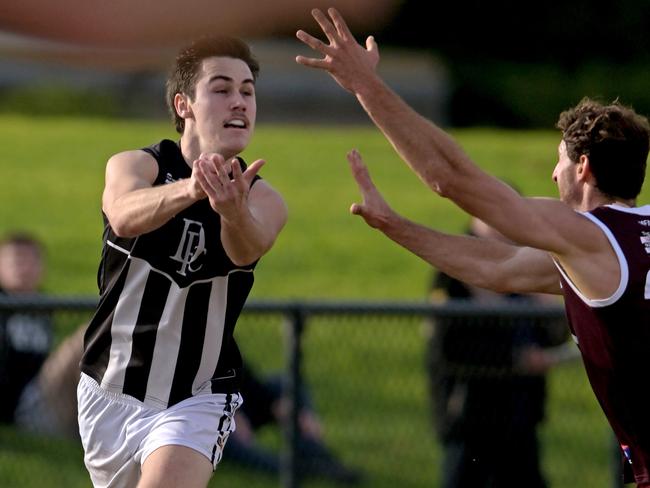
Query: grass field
[52,174]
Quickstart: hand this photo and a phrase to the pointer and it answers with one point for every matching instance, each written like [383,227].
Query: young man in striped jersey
[185,224]
[592,245]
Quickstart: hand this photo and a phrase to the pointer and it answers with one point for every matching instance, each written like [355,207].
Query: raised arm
[132,205]
[487,263]
[544,224]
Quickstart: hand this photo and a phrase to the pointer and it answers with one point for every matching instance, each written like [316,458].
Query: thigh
[201,424]
[108,447]
[175,467]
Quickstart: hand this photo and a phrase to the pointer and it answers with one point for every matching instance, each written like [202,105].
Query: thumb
[253,169]
[357,209]
[371,44]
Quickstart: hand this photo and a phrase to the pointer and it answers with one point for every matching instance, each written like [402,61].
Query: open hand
[347,61]
[374,209]
[224,183]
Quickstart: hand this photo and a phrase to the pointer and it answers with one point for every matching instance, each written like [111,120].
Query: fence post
[294,329]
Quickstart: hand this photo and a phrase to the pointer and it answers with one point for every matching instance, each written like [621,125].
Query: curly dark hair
[614,138]
[183,75]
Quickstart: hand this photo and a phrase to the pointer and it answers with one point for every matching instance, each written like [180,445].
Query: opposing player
[594,240]
[185,224]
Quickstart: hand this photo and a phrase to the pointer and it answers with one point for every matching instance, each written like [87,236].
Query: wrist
[369,89]
[193,191]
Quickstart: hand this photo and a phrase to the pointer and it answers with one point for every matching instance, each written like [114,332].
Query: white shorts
[118,432]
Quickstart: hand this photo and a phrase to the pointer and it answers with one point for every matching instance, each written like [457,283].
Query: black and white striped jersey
[163,328]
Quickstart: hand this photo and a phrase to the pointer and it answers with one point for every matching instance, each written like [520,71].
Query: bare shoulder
[266,200]
[262,189]
[133,162]
[133,156]
[585,254]
[568,231]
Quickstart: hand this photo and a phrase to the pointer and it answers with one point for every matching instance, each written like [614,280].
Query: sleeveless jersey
[613,334]
[169,300]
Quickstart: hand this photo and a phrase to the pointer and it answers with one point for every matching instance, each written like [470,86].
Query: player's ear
[182,105]
[584,168]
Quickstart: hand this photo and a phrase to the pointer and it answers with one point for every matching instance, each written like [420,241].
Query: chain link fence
[371,375]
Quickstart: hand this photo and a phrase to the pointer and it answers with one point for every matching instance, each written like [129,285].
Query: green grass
[52,173]
[366,375]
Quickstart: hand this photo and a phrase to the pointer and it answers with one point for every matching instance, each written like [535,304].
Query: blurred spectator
[265,404]
[488,386]
[25,338]
[39,391]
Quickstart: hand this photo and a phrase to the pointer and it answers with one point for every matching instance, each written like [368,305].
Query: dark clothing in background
[25,341]
[485,410]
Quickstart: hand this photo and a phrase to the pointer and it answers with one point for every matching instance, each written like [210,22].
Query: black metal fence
[375,373]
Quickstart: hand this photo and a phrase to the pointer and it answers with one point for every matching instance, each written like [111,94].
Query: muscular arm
[132,205]
[486,263]
[248,237]
[544,224]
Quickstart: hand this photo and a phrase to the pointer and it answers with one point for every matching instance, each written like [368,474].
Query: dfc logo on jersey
[191,247]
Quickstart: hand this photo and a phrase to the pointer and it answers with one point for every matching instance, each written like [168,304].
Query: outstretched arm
[486,263]
[544,224]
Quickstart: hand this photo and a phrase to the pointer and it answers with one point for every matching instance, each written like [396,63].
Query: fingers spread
[311,41]
[204,182]
[340,24]
[325,24]
[312,62]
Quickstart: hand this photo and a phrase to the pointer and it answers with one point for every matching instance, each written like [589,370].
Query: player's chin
[237,142]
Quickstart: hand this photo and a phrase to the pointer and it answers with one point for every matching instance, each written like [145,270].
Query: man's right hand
[374,209]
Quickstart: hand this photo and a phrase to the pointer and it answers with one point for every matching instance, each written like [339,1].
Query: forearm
[245,239]
[146,209]
[428,150]
[478,262]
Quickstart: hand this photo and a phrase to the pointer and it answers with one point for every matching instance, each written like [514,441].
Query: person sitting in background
[39,387]
[267,404]
[487,384]
[25,338]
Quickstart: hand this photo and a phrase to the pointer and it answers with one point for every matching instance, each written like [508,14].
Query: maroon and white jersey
[613,334]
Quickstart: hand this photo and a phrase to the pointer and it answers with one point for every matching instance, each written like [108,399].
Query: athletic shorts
[118,432]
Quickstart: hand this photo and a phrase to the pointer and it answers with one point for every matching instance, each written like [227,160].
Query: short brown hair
[183,76]
[614,138]
[21,238]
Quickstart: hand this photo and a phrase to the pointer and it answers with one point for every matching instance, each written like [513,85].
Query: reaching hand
[374,209]
[224,183]
[348,62]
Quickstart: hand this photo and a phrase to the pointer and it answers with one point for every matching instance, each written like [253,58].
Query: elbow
[246,257]
[491,279]
[121,227]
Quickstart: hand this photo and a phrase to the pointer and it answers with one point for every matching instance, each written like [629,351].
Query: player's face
[224,106]
[564,175]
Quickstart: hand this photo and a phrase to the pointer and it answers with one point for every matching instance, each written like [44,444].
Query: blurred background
[464,63]
[80,81]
